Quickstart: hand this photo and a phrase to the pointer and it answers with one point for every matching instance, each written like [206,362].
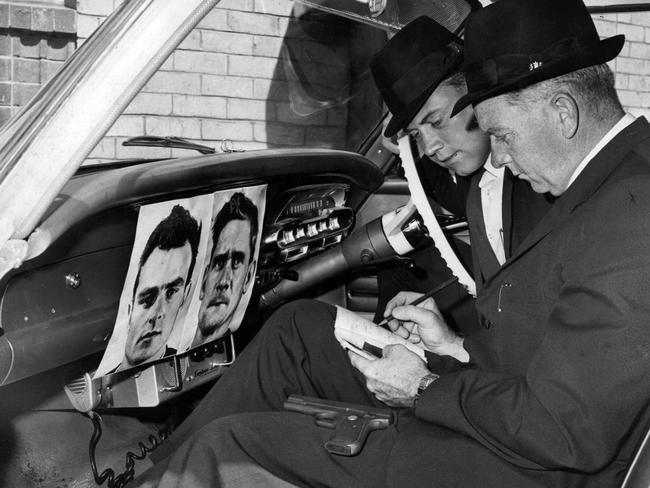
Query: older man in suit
[554,391]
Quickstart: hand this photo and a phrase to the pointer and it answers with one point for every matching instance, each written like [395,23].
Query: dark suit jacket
[559,389]
[440,186]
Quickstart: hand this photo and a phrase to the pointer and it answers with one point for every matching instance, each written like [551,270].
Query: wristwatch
[425,381]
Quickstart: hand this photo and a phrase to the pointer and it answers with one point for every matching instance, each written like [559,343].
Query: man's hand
[395,377]
[424,323]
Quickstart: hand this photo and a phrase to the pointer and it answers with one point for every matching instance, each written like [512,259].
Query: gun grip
[349,436]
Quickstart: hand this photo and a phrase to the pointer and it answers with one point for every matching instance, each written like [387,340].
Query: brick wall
[35,39]
[632,66]
[224,82]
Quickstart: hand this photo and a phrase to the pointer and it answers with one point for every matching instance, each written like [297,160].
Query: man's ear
[567,113]
[249,276]
[205,278]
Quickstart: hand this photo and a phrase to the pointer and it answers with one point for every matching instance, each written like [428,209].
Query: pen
[417,301]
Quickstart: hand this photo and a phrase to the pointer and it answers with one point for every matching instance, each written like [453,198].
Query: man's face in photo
[156,302]
[226,278]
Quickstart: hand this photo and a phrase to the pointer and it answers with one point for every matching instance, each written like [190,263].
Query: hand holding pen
[424,324]
[422,298]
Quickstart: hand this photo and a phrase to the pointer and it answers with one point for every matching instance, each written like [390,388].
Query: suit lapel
[591,178]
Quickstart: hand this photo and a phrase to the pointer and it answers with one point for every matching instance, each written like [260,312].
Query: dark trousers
[240,436]
[295,352]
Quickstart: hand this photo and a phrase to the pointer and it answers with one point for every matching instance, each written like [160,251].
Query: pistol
[351,423]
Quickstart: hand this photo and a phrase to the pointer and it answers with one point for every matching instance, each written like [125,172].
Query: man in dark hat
[552,390]
[417,73]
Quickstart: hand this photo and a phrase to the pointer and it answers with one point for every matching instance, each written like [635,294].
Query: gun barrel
[312,405]
[306,409]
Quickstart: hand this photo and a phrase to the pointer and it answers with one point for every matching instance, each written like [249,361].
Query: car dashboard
[60,306]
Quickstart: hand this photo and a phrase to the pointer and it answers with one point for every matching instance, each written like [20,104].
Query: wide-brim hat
[512,44]
[411,65]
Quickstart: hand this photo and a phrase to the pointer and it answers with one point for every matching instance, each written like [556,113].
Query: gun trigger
[325,423]
[327,420]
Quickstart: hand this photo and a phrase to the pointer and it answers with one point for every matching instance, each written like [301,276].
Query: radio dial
[287,237]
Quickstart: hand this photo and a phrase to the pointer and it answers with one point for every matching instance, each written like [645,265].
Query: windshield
[234,75]
[253,74]
[280,74]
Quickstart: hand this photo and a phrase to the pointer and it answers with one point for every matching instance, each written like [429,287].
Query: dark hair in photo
[173,232]
[239,207]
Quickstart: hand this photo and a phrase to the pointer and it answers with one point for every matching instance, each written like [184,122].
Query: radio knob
[334,223]
[312,230]
[300,232]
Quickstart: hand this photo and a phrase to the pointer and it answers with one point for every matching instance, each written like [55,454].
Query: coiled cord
[120,480]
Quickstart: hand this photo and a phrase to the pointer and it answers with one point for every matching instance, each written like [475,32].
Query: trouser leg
[274,449]
[295,352]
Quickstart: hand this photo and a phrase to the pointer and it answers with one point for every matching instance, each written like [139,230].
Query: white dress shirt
[491,185]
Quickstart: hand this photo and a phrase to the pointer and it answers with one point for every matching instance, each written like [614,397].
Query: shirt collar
[626,120]
[490,173]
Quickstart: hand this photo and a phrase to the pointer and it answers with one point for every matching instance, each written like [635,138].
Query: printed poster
[190,276]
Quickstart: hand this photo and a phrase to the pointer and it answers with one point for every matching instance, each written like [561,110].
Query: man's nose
[500,158]
[430,141]
[225,278]
[157,314]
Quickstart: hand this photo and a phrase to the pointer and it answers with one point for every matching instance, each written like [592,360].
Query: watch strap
[426,381]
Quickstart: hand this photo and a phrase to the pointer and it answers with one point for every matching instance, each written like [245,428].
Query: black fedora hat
[411,65]
[512,44]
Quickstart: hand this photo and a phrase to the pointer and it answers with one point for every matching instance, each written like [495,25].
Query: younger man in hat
[417,73]
[530,401]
